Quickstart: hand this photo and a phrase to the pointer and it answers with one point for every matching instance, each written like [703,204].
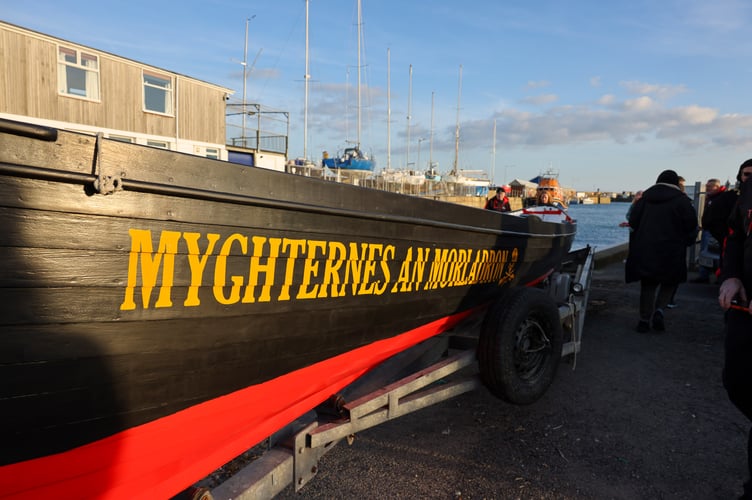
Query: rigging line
[366,73]
[275,66]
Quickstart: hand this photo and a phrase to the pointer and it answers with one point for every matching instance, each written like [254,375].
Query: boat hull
[162,313]
[349,164]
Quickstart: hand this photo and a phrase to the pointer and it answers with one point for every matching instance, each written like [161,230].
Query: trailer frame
[293,454]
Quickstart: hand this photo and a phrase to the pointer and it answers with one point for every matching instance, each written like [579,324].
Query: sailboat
[474,182]
[353,158]
[304,166]
[431,173]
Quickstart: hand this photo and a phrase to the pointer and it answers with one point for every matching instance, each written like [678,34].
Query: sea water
[598,225]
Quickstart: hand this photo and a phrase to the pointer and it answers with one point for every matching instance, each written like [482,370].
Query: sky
[605,94]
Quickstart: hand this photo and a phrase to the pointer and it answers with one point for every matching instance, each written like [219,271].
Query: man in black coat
[663,223]
[735,296]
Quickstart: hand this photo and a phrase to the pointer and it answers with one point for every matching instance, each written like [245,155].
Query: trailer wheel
[520,345]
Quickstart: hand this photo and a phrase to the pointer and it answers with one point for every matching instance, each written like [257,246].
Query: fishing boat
[163,312]
[353,158]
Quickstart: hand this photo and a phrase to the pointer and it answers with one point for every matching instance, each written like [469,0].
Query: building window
[157,93]
[212,153]
[122,138]
[157,144]
[78,73]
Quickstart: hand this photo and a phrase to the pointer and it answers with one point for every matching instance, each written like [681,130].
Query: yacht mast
[430,138]
[245,79]
[360,20]
[307,77]
[457,129]
[409,112]
[388,109]
[493,164]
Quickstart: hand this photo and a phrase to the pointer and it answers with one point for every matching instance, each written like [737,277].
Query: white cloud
[538,85]
[640,104]
[630,121]
[662,92]
[697,115]
[540,99]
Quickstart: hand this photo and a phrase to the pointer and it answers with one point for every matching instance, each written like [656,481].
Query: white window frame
[122,138]
[158,144]
[152,86]
[70,60]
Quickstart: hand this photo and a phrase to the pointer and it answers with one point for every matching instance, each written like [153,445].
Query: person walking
[735,296]
[500,202]
[664,224]
[672,301]
[713,188]
[716,215]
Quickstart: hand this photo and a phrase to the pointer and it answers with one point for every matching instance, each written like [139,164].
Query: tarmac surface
[637,416]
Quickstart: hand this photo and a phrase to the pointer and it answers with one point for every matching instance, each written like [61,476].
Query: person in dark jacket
[500,202]
[664,224]
[715,217]
[735,296]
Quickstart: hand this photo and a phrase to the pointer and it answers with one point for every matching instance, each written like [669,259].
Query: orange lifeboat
[549,181]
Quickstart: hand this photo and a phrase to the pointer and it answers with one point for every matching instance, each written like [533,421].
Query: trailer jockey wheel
[520,345]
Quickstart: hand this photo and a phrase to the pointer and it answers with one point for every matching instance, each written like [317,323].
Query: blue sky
[607,94]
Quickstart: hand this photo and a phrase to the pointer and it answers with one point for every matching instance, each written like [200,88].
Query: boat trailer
[291,456]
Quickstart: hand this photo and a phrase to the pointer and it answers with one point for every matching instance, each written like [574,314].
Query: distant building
[523,189]
[54,82]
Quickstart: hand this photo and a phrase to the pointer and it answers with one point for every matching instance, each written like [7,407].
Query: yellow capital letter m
[141,246]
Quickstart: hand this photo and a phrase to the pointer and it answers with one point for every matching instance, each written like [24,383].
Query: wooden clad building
[54,82]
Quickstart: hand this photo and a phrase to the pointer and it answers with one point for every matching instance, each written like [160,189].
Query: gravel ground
[641,416]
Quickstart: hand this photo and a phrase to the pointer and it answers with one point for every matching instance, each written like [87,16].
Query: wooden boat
[162,312]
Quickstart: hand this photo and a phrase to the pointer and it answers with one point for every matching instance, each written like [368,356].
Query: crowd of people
[663,222]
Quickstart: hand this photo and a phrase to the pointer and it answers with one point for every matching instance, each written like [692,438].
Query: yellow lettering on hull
[242,269]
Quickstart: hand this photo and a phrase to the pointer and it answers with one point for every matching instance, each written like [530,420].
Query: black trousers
[649,301]
[737,373]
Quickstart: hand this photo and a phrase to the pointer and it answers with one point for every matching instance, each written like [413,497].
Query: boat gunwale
[150,187]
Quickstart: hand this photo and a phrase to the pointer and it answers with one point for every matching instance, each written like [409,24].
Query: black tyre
[520,345]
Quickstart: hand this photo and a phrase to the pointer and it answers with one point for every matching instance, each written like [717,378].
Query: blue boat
[350,159]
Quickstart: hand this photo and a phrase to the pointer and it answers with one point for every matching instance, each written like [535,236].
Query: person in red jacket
[500,202]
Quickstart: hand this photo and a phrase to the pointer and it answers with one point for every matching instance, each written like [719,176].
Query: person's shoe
[672,305]
[701,279]
[643,326]
[658,323]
